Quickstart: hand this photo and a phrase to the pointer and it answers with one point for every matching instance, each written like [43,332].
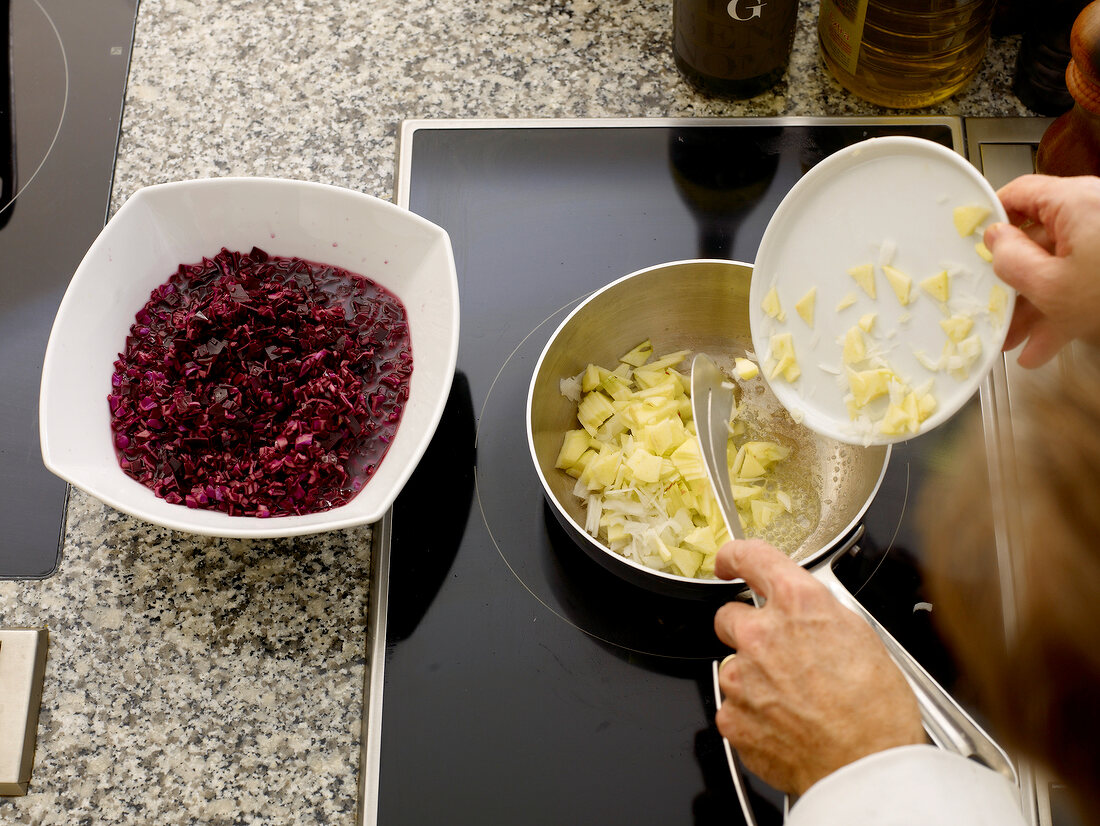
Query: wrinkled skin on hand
[1050,254]
[811,688]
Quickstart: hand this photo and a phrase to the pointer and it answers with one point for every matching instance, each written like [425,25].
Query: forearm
[910,785]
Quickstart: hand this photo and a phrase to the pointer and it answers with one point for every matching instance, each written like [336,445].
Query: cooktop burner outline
[893,538]
[13,113]
[547,562]
[477,486]
[63,81]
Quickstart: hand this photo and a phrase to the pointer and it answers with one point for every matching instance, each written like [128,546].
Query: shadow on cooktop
[721,175]
[424,550]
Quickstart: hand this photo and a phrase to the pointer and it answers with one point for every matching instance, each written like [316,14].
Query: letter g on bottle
[754,10]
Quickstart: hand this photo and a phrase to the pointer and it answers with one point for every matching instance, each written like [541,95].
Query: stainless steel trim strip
[370,746]
[409,127]
[1003,131]
[996,147]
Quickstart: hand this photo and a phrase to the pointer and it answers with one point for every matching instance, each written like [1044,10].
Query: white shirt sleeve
[906,786]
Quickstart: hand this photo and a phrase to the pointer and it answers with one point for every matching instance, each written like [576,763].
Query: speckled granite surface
[195,680]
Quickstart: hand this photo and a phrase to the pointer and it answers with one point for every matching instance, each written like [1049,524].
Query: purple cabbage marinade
[260,386]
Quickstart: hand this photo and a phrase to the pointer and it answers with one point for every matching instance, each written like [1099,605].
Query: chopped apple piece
[902,417]
[702,539]
[782,346]
[687,460]
[664,436]
[639,355]
[660,365]
[867,322]
[645,466]
[572,448]
[805,306]
[854,410]
[742,493]
[577,468]
[969,350]
[616,387]
[686,561]
[772,307]
[766,453]
[748,466]
[983,251]
[745,369]
[663,551]
[901,283]
[855,350]
[763,513]
[867,385]
[846,302]
[958,358]
[998,301]
[969,218]
[957,327]
[864,275]
[926,406]
[593,376]
[595,408]
[616,531]
[601,470]
[937,286]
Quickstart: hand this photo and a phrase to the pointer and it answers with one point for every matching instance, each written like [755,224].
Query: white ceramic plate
[885,200]
[159,228]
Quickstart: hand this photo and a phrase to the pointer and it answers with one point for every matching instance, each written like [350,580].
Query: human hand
[811,688]
[1050,254]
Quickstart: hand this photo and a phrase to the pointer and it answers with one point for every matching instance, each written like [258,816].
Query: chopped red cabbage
[260,385]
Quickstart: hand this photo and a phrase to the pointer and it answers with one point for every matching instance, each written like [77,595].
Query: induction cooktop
[513,679]
[62,77]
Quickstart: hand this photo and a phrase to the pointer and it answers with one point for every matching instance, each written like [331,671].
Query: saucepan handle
[948,725]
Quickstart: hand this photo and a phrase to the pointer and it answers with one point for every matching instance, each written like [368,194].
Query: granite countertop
[220,681]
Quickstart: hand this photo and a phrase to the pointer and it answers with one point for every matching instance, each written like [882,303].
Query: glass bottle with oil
[904,54]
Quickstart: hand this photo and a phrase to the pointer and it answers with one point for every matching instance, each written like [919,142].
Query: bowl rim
[248,527]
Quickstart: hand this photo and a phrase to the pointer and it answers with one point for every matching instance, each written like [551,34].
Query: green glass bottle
[733,48]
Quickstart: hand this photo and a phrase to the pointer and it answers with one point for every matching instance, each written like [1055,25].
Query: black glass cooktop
[523,683]
[63,70]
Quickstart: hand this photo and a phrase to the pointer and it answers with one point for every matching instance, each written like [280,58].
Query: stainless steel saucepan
[702,306]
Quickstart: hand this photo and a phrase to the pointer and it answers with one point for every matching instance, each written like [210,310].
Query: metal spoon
[712,402]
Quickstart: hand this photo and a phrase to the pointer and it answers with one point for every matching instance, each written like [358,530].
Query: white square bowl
[160,227]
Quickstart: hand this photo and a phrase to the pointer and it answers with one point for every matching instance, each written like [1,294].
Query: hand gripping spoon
[948,725]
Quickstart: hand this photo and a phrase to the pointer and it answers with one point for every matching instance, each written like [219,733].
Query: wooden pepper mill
[1071,146]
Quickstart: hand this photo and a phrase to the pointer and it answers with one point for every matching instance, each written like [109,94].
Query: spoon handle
[947,723]
[712,405]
